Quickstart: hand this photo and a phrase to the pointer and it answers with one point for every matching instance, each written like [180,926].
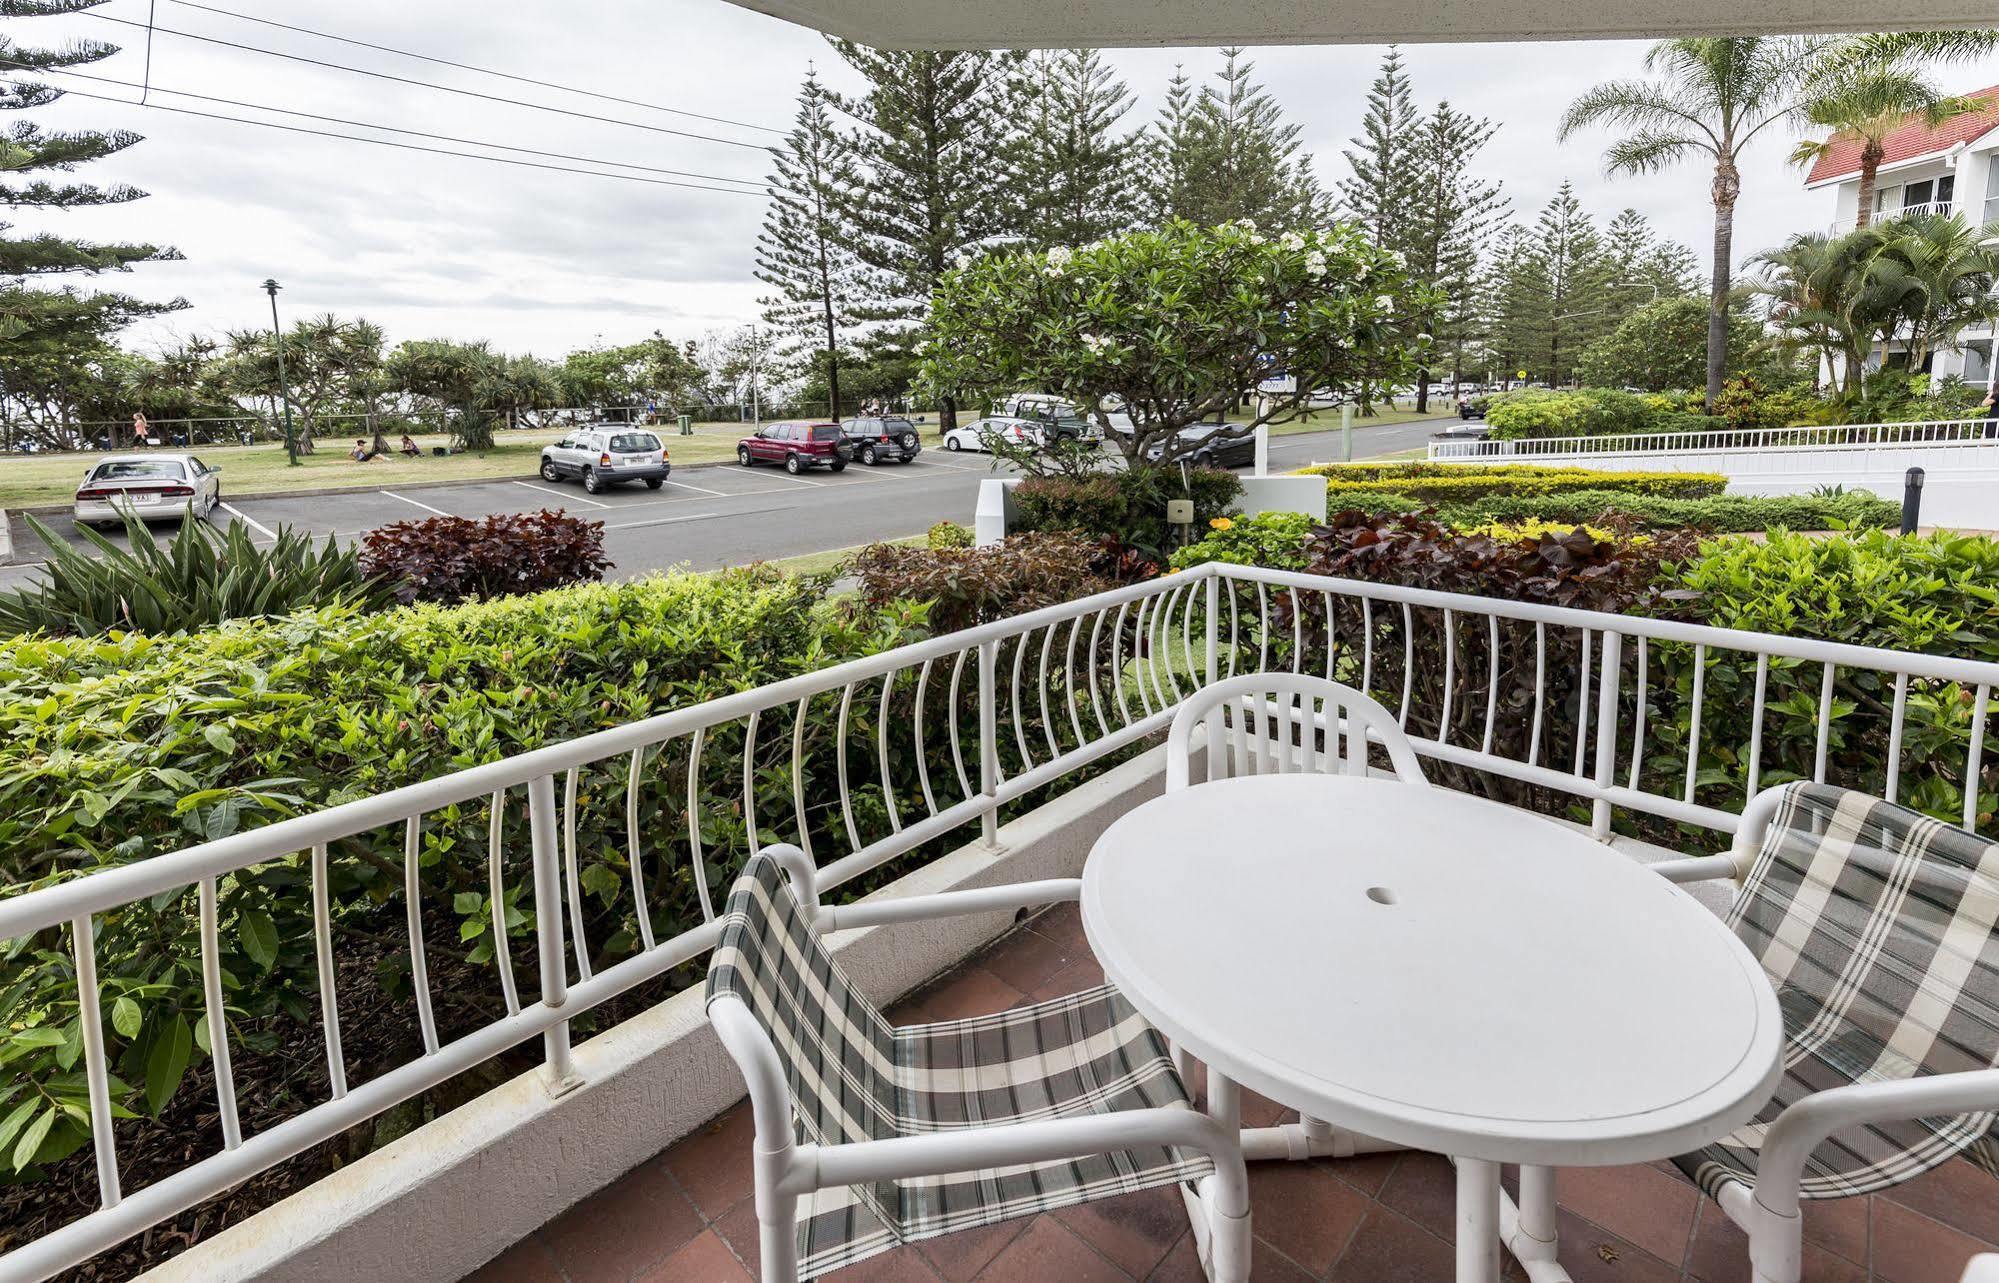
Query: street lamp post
[284,389]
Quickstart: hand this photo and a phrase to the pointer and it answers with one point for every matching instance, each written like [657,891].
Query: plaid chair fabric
[1879,927]
[853,1078]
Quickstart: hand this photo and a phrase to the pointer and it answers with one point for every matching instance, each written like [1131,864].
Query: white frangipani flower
[1292,241]
[1058,260]
[1097,343]
[1315,264]
[1386,302]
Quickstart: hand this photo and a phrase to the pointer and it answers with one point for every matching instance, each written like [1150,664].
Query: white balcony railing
[1607,713]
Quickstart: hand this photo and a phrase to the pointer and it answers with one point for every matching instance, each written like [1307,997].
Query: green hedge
[1721,514]
[1462,483]
[114,751]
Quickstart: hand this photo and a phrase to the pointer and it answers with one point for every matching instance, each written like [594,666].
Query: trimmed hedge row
[1720,514]
[1443,483]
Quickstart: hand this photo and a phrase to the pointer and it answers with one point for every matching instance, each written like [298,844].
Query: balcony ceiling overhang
[1056,24]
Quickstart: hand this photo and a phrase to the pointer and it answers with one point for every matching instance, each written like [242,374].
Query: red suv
[797,446]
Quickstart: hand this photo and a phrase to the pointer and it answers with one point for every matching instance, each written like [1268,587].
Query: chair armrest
[1983,1269]
[1804,1126]
[1700,868]
[949,904]
[975,1148]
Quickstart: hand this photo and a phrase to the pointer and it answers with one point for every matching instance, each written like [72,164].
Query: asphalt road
[705,517]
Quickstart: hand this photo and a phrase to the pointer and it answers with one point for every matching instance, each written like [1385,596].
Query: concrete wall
[451,1195]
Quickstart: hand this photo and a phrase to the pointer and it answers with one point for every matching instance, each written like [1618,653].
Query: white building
[1951,168]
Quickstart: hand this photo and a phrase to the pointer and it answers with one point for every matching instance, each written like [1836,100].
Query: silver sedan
[151,487]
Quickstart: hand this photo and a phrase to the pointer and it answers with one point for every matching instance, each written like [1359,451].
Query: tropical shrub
[202,577]
[1465,482]
[1745,403]
[946,535]
[1128,506]
[1664,345]
[1273,539]
[448,559]
[1538,412]
[967,586]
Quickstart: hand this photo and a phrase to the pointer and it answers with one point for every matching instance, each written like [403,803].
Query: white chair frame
[785,1169]
[1350,719]
[1769,1211]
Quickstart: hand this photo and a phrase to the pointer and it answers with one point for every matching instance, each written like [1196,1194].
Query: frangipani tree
[1177,325]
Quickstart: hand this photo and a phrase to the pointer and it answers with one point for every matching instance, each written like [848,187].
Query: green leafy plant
[1273,539]
[201,577]
[946,535]
[1717,514]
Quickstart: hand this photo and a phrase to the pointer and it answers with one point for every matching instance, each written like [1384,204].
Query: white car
[978,434]
[152,487]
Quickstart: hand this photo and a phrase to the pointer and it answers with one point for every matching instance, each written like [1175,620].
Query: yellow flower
[1221,523]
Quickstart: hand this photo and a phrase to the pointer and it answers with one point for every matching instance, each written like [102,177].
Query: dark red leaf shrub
[448,559]
[976,585]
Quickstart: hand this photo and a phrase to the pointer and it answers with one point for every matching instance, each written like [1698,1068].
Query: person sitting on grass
[361,453]
[410,447]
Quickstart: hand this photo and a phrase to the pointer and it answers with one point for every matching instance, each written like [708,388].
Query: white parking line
[692,516]
[720,494]
[416,502]
[558,494]
[246,519]
[782,476]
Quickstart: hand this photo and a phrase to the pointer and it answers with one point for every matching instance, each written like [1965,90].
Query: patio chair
[1281,723]
[1879,927]
[870,1136]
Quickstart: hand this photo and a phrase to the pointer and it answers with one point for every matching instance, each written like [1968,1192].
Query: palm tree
[1811,285]
[1707,98]
[1946,267]
[1866,100]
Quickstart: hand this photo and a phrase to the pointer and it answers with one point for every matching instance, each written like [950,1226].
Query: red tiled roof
[1842,158]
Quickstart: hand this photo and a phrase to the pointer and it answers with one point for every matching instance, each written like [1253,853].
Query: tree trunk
[1727,186]
[1423,390]
[1870,169]
[947,414]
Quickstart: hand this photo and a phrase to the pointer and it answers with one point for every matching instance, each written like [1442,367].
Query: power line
[8,64]
[466,66]
[384,142]
[426,84]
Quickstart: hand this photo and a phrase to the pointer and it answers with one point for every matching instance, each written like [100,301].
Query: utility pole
[271,288]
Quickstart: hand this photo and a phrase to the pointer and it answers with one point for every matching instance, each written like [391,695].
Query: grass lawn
[261,469]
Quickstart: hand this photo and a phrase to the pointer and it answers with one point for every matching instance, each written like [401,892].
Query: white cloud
[431,245]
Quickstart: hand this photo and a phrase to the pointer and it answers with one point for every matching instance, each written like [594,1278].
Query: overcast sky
[434,246]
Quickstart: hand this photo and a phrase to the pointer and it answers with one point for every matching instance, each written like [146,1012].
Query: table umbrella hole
[1381,895]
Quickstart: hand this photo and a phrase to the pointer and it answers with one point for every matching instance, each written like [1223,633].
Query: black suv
[882,440]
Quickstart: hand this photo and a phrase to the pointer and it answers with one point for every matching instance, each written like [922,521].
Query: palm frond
[1648,152]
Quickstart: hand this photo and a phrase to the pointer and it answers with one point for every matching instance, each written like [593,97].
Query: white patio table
[1438,972]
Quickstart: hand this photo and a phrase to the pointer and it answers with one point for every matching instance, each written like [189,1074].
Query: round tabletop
[1433,969]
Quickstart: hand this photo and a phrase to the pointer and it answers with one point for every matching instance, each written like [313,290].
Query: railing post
[1212,671]
[561,1073]
[989,741]
[1606,732]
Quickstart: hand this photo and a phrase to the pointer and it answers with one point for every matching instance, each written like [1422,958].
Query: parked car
[980,433]
[1467,431]
[798,446]
[605,454]
[152,487]
[1473,406]
[1211,449]
[887,439]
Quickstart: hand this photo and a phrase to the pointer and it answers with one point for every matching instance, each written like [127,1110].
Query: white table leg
[1219,1259]
[1478,1221]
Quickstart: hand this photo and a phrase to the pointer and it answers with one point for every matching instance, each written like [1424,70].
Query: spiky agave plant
[200,577]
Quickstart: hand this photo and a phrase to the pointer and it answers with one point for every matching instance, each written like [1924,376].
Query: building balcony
[586,1123]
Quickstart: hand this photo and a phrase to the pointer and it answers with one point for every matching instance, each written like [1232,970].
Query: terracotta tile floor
[686,1217]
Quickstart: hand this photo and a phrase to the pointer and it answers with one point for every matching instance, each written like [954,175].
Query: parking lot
[704,517]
